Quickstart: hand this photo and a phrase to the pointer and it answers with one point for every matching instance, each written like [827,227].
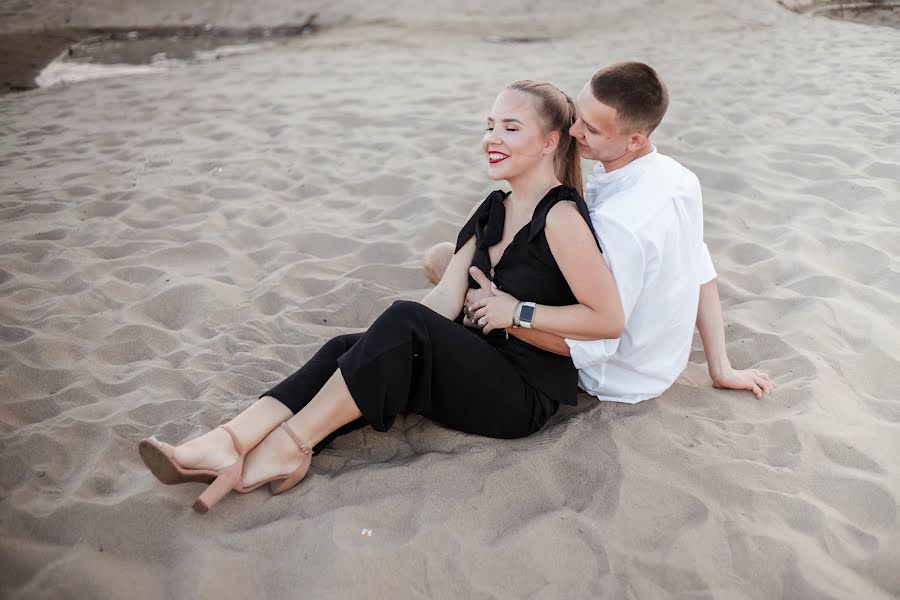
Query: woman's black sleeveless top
[528,271]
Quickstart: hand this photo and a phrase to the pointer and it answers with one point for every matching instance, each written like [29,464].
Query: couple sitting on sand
[542,292]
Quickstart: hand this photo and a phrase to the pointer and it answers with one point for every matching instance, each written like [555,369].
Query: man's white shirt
[648,216]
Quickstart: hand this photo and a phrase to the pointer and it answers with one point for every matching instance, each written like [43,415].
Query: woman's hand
[473,295]
[495,311]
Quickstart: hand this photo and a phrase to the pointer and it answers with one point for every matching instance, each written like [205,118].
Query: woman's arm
[446,298]
[598,314]
[541,339]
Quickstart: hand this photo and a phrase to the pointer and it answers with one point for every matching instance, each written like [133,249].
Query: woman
[534,243]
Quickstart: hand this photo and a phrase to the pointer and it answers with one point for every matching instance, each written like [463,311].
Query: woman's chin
[497,173]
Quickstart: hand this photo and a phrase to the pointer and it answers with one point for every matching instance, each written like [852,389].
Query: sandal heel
[280,487]
[228,479]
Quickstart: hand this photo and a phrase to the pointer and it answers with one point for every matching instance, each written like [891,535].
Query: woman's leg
[299,389]
[215,449]
[410,360]
[331,409]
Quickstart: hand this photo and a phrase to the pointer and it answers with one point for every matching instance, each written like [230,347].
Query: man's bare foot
[212,450]
[276,455]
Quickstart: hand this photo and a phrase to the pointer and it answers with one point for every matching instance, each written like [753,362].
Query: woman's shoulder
[560,201]
[560,196]
[566,214]
[563,216]
[563,192]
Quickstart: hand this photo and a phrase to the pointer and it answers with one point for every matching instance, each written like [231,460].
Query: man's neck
[626,158]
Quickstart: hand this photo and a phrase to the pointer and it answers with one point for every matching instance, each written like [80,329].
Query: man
[648,215]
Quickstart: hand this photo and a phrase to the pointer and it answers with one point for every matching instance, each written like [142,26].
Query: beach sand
[173,244]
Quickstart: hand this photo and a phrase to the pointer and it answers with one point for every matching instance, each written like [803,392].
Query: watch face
[527,314]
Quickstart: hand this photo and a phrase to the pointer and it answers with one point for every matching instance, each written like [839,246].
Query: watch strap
[515,318]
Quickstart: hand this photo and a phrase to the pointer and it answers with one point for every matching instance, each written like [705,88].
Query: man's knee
[436,260]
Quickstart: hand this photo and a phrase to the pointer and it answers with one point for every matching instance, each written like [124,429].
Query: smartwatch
[526,314]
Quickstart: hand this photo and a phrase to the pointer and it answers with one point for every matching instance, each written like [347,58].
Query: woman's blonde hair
[557,111]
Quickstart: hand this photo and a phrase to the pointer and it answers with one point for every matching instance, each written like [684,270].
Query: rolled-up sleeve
[706,271]
[626,260]
[691,199]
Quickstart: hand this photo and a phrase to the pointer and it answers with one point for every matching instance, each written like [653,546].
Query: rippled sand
[171,245]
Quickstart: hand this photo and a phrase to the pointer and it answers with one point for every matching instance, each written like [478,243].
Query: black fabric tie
[490,225]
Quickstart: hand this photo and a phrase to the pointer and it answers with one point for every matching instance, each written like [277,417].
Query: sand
[172,244]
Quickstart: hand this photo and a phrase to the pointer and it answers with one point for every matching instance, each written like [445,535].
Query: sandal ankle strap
[234,438]
[304,448]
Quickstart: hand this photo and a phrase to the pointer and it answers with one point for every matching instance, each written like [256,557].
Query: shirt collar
[600,179]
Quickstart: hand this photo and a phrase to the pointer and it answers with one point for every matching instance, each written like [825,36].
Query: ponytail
[568,160]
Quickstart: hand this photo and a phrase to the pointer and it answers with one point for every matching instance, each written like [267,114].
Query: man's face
[596,129]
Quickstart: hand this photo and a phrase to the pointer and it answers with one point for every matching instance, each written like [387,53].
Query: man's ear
[638,141]
[552,142]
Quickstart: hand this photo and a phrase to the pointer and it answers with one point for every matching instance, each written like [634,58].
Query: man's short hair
[635,91]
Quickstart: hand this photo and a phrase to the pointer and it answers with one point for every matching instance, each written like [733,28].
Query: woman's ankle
[214,450]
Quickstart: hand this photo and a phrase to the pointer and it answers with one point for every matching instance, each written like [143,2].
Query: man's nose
[575,130]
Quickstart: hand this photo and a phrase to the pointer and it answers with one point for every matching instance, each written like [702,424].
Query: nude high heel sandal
[227,479]
[290,480]
[160,459]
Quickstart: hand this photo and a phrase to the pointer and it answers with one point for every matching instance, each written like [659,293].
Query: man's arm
[541,339]
[711,325]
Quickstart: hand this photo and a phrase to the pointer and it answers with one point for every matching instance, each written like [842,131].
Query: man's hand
[748,379]
[711,325]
